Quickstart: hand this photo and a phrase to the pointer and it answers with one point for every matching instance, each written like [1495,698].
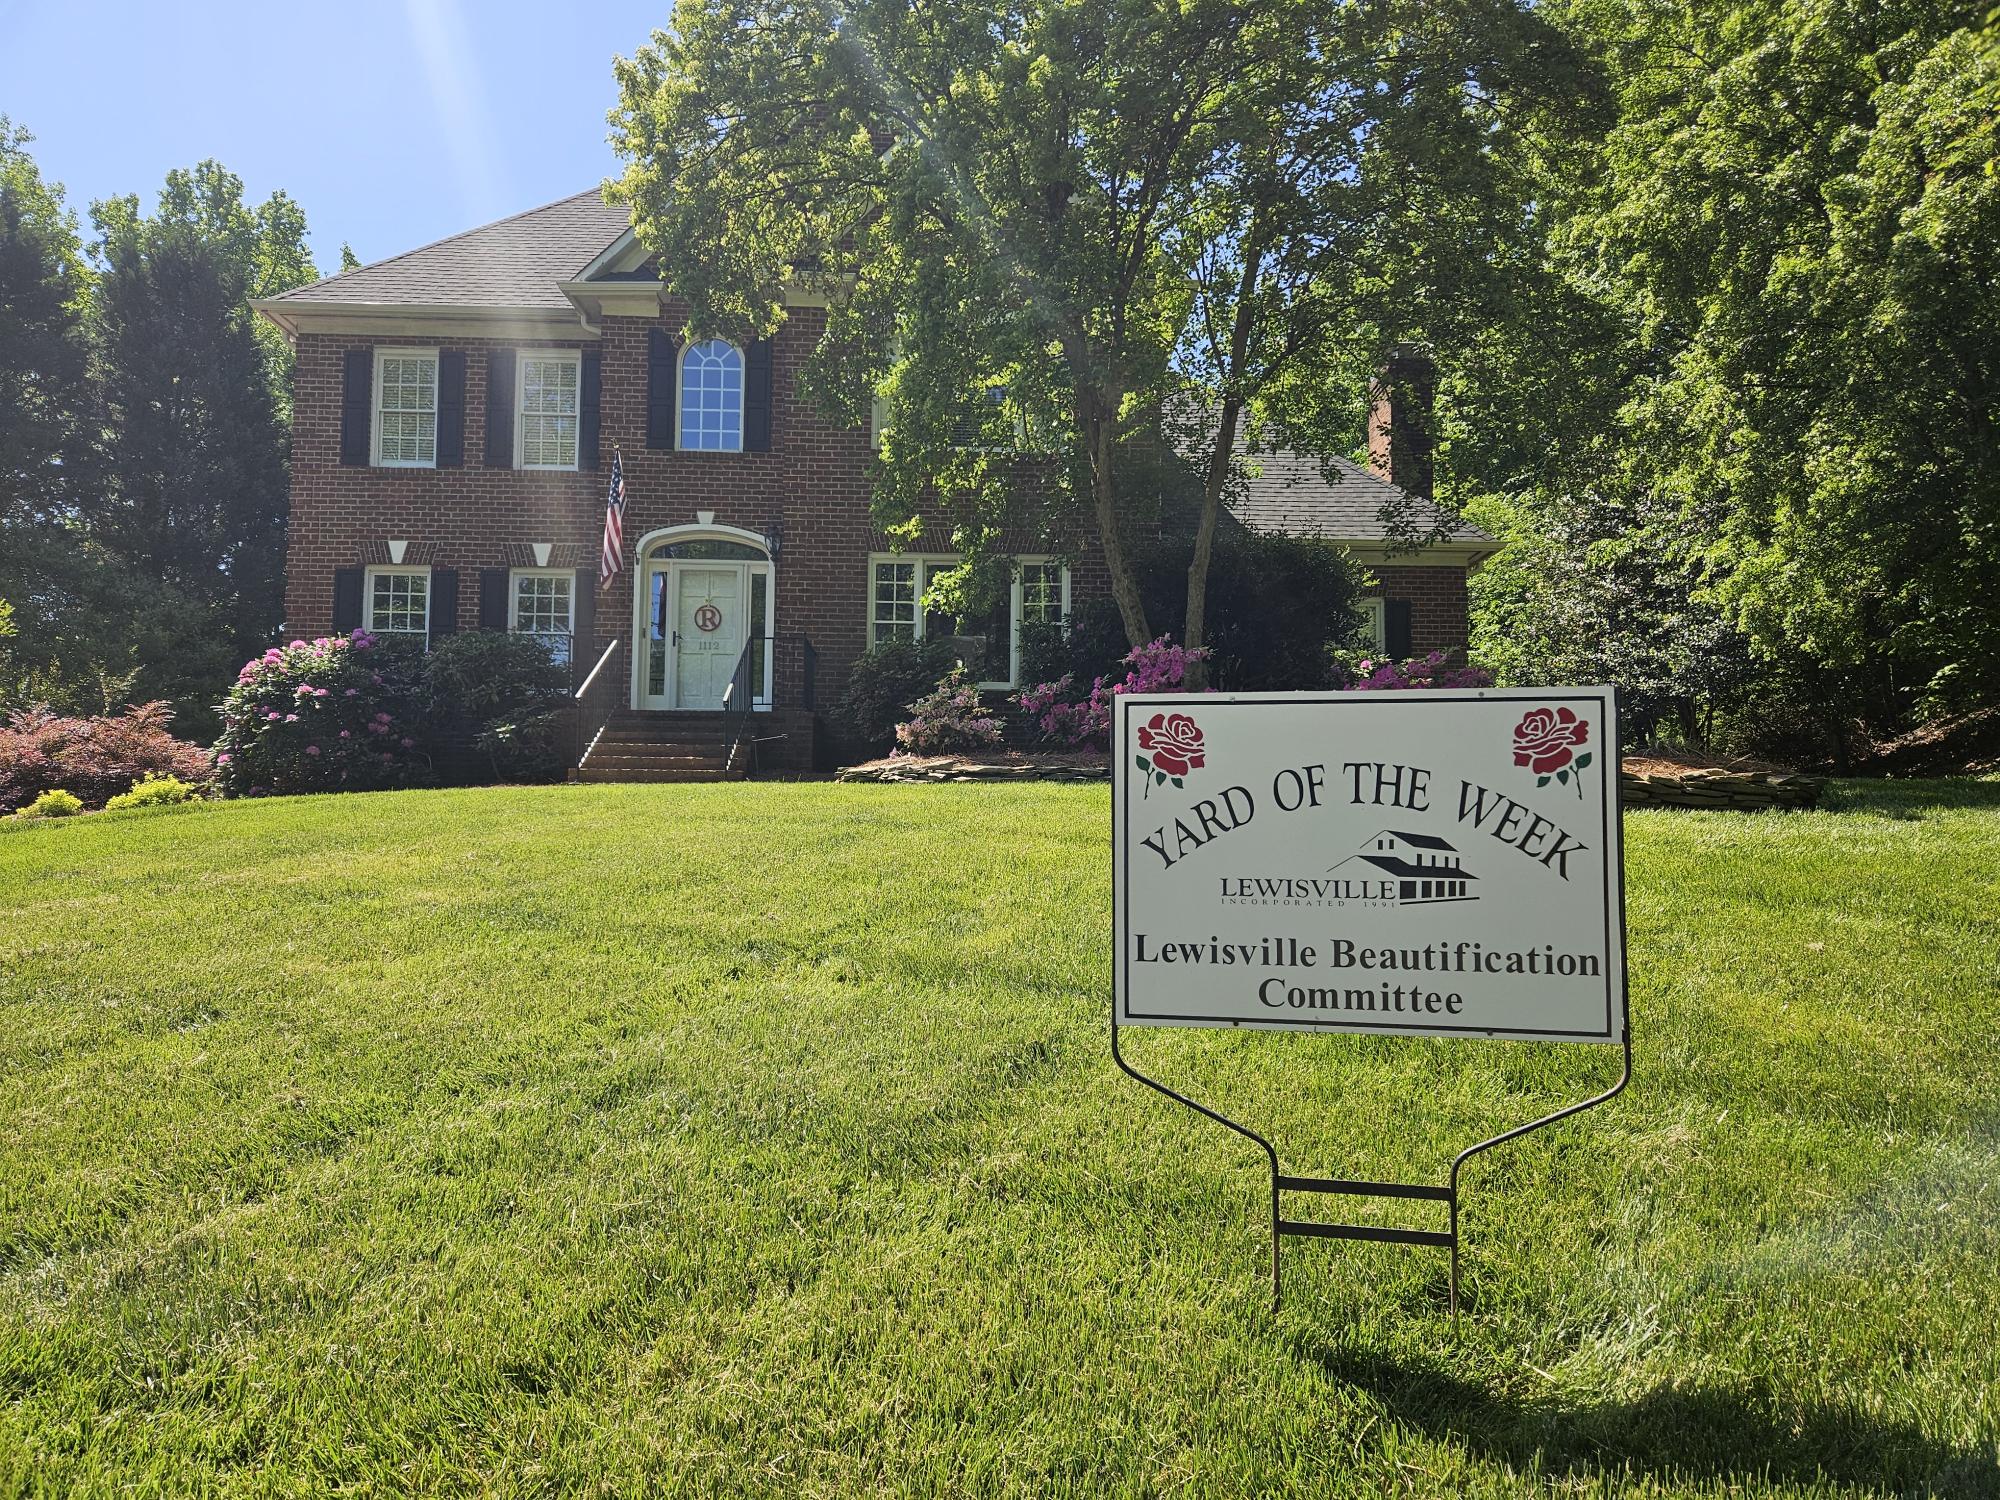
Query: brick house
[457,408]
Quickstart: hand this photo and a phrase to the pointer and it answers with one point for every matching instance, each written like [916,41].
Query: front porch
[766,720]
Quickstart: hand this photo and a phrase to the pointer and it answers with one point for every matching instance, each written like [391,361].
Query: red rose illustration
[1174,747]
[1544,740]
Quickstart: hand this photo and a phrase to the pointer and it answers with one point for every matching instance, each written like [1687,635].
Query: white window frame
[370,574]
[930,562]
[574,359]
[680,382]
[1376,615]
[375,458]
[514,577]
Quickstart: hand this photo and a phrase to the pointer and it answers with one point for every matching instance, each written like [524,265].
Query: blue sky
[392,122]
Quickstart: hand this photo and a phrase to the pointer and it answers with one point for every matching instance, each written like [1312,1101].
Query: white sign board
[1441,863]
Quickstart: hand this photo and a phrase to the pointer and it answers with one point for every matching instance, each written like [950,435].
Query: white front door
[708,631]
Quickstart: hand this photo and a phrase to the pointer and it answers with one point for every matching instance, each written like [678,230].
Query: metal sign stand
[1282,1182]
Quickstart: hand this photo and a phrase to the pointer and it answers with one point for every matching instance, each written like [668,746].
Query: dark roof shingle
[515,262]
[1301,495]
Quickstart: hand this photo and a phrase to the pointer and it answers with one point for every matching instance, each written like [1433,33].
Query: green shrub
[486,674]
[154,791]
[526,747]
[341,713]
[54,803]
[886,680]
[506,697]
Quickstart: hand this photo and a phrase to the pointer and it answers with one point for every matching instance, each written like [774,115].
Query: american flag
[614,524]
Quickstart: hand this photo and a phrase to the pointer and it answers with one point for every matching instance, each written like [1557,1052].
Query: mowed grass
[766,1140]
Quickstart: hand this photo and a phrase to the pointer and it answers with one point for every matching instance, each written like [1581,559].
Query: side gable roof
[1298,494]
[518,263]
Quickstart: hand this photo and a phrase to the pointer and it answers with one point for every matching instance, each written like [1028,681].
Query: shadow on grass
[1706,1433]
[1909,799]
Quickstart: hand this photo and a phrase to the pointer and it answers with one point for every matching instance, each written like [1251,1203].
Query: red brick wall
[813,484]
[1438,618]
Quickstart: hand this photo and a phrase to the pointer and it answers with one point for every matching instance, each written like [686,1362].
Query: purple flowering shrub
[333,714]
[1373,675]
[95,758]
[1083,720]
[949,719]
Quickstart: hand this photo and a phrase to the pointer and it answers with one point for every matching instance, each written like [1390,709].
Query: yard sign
[1432,863]
[1427,863]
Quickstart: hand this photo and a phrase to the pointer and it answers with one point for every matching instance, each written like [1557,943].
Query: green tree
[43,286]
[45,451]
[1745,396]
[1802,212]
[1054,225]
[194,474]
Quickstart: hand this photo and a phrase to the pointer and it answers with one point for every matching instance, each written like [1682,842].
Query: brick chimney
[1399,419]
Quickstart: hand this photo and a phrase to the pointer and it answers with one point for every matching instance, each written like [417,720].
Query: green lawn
[765,1139]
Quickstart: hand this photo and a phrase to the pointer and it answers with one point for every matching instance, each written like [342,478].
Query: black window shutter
[500,409]
[444,602]
[661,351]
[451,409]
[589,389]
[583,644]
[1396,629]
[357,398]
[757,398]
[347,599]
[493,598]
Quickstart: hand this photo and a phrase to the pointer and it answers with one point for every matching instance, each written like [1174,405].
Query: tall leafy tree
[43,285]
[194,491]
[1065,220]
[46,558]
[1751,394]
[1802,211]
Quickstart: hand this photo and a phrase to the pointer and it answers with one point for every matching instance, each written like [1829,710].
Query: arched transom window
[712,397]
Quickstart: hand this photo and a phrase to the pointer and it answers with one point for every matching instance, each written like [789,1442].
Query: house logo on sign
[708,619]
[1425,868]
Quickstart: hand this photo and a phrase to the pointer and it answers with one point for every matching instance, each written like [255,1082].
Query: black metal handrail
[594,703]
[739,699]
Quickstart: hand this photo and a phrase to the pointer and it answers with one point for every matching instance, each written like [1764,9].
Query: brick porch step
[639,746]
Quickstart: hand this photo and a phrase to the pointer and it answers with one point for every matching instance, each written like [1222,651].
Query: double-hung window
[1044,593]
[893,592]
[406,408]
[543,606]
[398,602]
[545,427]
[711,397]
[990,647]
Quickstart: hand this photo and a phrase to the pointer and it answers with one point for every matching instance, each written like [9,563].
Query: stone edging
[1748,790]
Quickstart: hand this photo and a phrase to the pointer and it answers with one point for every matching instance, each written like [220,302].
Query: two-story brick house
[457,408]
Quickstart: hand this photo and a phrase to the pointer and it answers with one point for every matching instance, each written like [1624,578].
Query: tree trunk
[1204,541]
[1218,462]
[1098,419]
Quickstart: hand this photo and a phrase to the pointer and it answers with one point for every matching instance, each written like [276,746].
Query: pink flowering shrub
[333,714]
[1083,721]
[949,719]
[1370,675]
[95,758]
